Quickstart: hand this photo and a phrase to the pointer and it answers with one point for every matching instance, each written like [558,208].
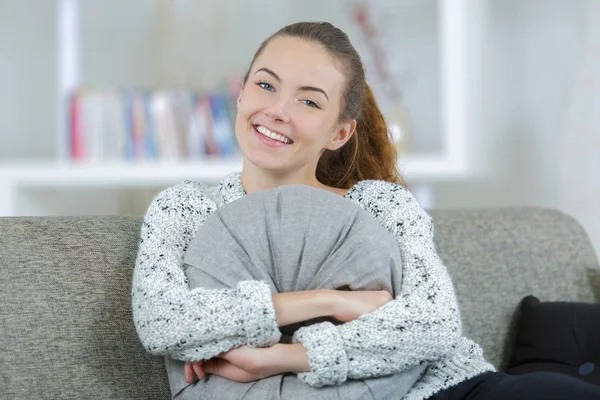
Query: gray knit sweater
[422,325]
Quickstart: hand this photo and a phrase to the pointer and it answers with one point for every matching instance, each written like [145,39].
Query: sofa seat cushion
[561,337]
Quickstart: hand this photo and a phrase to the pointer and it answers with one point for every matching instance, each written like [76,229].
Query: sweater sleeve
[420,325]
[191,324]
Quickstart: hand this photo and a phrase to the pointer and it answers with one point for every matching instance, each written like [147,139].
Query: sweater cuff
[326,355]
[258,319]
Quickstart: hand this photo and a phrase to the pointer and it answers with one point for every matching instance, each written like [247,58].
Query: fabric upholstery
[66,330]
[498,256]
[65,318]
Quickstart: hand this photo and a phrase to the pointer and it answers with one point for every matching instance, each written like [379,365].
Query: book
[138,125]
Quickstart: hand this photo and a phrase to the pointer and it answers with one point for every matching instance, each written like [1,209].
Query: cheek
[318,129]
[242,105]
[250,102]
[241,119]
[317,138]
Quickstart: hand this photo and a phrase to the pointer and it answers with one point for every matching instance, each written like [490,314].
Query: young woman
[307,116]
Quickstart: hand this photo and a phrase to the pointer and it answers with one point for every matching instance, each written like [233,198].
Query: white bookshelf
[459,56]
[21,181]
[115,175]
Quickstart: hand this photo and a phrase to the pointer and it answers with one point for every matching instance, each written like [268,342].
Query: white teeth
[273,135]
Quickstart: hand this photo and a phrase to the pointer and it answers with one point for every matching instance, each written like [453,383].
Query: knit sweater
[420,326]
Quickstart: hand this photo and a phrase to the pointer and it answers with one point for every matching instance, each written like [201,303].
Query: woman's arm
[421,325]
[195,324]
[200,323]
[293,307]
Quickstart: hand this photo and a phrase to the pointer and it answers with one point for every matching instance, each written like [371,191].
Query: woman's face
[288,110]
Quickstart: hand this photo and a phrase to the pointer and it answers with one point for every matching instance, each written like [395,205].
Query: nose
[277,111]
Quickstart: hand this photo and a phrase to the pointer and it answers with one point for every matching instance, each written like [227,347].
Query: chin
[260,159]
[266,163]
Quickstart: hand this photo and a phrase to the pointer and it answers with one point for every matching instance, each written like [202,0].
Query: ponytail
[369,154]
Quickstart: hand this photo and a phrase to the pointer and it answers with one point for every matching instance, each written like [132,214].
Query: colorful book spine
[222,129]
[76,143]
[150,125]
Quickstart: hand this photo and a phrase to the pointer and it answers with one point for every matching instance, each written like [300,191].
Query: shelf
[36,188]
[53,175]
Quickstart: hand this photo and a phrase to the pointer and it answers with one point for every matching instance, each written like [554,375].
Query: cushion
[561,337]
[295,238]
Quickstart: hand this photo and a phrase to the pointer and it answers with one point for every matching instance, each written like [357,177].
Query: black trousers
[533,386]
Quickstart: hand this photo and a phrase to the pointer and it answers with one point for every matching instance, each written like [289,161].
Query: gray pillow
[295,238]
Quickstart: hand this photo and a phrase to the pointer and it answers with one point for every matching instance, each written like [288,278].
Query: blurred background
[490,102]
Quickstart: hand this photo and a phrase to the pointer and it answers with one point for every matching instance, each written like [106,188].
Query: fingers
[210,366]
[227,370]
[199,369]
[188,372]
[217,366]
[190,369]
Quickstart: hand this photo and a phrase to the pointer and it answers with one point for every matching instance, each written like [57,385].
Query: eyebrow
[303,88]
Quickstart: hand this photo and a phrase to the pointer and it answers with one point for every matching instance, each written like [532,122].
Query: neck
[255,179]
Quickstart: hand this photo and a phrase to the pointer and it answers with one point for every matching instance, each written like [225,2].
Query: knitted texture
[326,354]
[191,325]
[421,326]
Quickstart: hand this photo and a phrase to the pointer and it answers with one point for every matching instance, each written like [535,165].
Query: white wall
[535,47]
[579,156]
[27,79]
[119,43]
[539,103]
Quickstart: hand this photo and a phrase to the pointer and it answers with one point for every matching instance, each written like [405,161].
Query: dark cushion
[561,337]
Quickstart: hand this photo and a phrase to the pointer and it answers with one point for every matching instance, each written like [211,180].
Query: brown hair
[369,154]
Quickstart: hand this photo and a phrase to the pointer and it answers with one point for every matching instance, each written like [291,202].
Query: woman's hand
[247,364]
[191,369]
[243,364]
[352,304]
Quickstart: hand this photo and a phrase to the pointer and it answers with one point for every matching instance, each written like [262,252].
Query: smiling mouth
[272,135]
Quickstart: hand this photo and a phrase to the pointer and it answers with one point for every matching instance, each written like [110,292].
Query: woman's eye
[265,86]
[310,103]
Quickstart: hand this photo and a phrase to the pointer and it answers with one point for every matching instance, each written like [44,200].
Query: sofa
[66,329]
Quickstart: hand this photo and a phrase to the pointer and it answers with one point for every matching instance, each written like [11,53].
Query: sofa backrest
[66,329]
[65,312]
[498,256]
